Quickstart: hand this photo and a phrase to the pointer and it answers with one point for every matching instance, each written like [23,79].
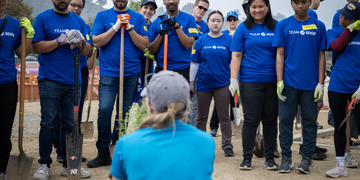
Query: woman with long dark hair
[253,65]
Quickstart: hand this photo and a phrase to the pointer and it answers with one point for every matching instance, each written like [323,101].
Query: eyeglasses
[76,5]
[202,8]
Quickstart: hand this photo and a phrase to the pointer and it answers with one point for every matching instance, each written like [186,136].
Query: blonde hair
[175,110]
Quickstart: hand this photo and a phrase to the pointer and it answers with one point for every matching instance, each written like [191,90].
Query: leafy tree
[134,5]
[17,9]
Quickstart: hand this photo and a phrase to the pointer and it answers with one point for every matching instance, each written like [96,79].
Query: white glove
[319,92]
[234,86]
[116,26]
[356,95]
[74,36]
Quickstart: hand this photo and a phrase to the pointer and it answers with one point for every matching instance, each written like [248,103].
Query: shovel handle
[121,78]
[166,40]
[351,105]
[95,57]
[22,89]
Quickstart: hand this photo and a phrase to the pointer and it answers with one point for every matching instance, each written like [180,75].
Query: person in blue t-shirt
[232,20]
[57,33]
[199,9]
[182,33]
[253,64]
[336,18]
[211,58]
[165,146]
[314,6]
[106,37]
[76,6]
[300,70]
[345,79]
[10,44]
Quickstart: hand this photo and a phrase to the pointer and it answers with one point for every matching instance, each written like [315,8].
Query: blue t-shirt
[88,38]
[161,154]
[228,32]
[345,75]
[302,40]
[10,41]
[335,21]
[202,28]
[259,57]
[57,65]
[110,53]
[178,57]
[312,14]
[214,57]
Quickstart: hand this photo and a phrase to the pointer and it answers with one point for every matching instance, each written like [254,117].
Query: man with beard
[10,44]
[106,36]
[56,31]
[182,32]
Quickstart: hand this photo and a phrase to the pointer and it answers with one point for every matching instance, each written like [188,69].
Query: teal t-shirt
[176,153]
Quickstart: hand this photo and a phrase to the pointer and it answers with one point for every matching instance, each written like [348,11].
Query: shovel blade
[74,142]
[19,167]
[87,129]
[237,116]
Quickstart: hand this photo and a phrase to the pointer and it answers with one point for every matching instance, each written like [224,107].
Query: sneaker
[3,176]
[321,150]
[319,153]
[270,164]
[304,166]
[246,165]
[83,173]
[228,152]
[337,171]
[319,156]
[350,161]
[286,165]
[100,160]
[42,173]
[59,159]
[354,145]
[213,132]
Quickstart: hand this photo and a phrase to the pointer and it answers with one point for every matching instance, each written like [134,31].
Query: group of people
[272,67]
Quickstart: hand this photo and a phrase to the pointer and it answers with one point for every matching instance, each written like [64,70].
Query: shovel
[74,140]
[19,166]
[87,127]
[350,108]
[236,111]
[166,40]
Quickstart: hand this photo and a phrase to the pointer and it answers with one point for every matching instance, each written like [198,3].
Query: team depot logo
[10,34]
[263,34]
[215,47]
[351,7]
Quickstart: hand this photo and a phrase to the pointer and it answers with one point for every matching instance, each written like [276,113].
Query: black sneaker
[270,164]
[320,150]
[286,165]
[99,160]
[246,165]
[304,166]
[213,132]
[319,156]
[228,152]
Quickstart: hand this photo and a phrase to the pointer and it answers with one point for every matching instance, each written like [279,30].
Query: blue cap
[351,10]
[232,14]
[145,2]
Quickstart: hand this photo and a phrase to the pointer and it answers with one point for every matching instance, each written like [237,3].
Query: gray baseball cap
[166,87]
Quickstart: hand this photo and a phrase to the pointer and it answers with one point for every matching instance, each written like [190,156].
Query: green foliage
[134,5]
[133,118]
[17,9]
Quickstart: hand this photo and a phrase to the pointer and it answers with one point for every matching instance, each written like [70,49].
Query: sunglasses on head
[202,8]
[76,5]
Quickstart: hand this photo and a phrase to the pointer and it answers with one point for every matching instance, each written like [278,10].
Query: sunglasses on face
[232,19]
[202,8]
[76,5]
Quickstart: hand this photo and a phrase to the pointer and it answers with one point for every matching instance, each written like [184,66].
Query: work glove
[26,24]
[319,92]
[356,95]
[62,39]
[279,89]
[173,23]
[192,86]
[75,38]
[116,26]
[123,20]
[165,24]
[234,87]
[355,26]
[148,54]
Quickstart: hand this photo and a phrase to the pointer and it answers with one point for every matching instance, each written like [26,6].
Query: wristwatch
[130,27]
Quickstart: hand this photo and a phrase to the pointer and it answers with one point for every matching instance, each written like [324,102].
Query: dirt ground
[225,168]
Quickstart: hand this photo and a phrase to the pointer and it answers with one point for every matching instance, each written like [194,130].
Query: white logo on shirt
[61,30]
[214,47]
[11,34]
[354,43]
[261,34]
[312,33]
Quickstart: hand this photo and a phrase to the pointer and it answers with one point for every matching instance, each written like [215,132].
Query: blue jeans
[108,89]
[287,112]
[54,96]
[194,110]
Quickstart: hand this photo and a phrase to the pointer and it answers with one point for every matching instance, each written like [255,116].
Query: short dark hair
[269,20]
[215,12]
[83,3]
[197,2]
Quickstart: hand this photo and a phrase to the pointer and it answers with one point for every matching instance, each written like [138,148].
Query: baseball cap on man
[145,2]
[232,14]
[166,87]
[351,10]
